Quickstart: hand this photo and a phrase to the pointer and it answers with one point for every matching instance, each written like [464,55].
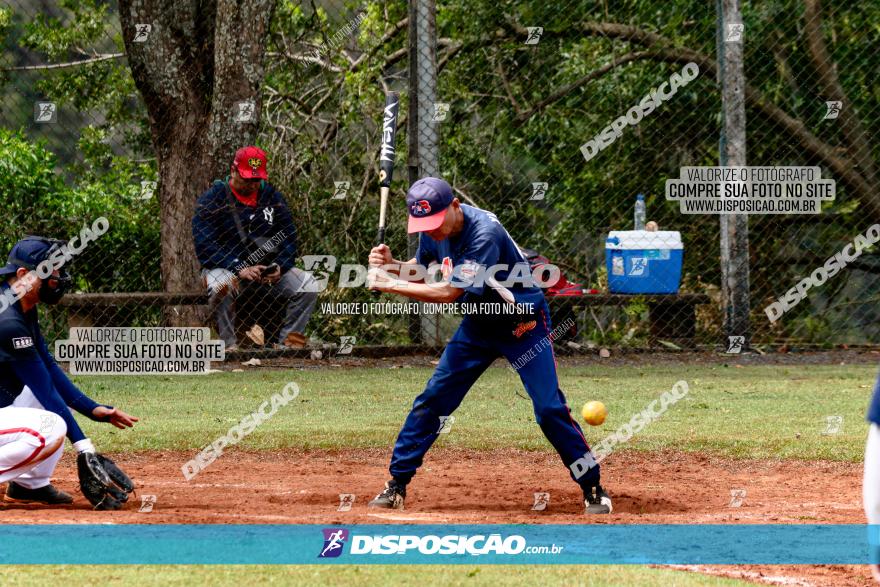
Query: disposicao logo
[407,545]
[334,540]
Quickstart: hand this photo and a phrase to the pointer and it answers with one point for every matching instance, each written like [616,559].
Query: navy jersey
[482,244]
[874,409]
[18,340]
[268,229]
[25,360]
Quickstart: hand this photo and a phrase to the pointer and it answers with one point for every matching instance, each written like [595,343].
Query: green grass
[748,412]
[353,576]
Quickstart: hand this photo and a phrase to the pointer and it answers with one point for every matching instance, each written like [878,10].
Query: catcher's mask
[29,253]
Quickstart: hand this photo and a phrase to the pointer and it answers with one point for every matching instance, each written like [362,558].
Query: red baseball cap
[251,163]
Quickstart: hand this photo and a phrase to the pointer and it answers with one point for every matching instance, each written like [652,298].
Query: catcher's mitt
[102,482]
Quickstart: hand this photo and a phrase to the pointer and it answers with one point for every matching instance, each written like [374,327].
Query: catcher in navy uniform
[36,396]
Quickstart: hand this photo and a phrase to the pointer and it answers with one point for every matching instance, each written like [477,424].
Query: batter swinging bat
[386,159]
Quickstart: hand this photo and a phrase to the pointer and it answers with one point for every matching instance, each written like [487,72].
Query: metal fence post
[734,228]
[423,153]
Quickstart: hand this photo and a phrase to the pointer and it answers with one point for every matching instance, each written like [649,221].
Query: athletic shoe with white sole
[391,497]
[597,501]
[47,495]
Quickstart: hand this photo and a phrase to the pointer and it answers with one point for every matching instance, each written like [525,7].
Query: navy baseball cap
[428,199]
[28,253]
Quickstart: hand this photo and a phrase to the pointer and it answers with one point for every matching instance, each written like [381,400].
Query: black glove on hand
[102,482]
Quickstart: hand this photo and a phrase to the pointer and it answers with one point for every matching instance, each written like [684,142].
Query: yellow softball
[594,413]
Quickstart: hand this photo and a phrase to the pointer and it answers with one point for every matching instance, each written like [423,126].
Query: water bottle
[640,215]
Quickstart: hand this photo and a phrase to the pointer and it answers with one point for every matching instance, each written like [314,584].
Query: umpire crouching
[243,230]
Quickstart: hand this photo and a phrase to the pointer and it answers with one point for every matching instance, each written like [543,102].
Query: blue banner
[440,544]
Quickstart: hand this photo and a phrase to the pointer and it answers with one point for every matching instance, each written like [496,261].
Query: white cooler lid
[643,239]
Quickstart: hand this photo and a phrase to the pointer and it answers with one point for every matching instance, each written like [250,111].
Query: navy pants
[470,352]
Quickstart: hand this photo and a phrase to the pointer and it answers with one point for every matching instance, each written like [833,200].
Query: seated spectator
[243,230]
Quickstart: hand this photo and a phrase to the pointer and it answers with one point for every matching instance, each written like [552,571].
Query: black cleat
[47,495]
[391,497]
[598,502]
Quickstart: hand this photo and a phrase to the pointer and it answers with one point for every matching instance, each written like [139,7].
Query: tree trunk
[199,60]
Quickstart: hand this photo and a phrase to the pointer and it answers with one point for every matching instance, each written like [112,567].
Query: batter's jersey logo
[446,268]
[468,269]
[22,342]
[334,539]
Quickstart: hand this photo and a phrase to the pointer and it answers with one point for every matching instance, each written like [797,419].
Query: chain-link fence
[553,116]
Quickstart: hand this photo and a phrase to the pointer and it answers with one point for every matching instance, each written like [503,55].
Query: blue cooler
[642,262]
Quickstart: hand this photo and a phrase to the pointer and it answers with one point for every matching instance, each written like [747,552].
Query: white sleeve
[871,484]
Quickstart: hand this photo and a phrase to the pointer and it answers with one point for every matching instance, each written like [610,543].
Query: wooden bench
[85,306]
[87,300]
[672,317]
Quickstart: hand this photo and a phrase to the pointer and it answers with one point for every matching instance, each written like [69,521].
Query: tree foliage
[518,115]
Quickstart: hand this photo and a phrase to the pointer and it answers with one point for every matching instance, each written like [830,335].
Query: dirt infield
[459,486]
